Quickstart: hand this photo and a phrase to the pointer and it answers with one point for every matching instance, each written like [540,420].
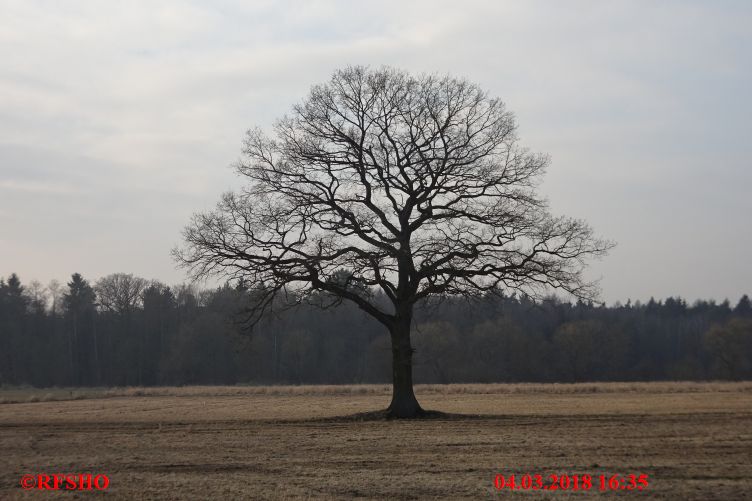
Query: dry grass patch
[28,394]
[693,442]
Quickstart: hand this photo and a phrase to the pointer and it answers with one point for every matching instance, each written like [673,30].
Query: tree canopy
[415,185]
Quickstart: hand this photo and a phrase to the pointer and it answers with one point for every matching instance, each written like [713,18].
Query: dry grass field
[693,440]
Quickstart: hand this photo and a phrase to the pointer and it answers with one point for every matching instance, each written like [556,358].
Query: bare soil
[693,440]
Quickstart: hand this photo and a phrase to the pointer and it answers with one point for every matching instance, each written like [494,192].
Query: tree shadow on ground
[385,415]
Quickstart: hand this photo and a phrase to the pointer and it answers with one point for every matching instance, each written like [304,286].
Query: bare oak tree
[380,181]
[120,292]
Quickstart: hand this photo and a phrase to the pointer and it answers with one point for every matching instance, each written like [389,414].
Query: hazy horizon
[120,121]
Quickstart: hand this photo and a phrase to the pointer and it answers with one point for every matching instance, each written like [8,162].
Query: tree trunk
[404,404]
[75,353]
[97,366]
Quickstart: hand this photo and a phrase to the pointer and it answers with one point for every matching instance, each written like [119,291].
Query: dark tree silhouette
[13,304]
[744,306]
[79,305]
[183,335]
[120,292]
[416,187]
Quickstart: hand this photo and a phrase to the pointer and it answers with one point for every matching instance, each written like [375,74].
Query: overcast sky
[118,120]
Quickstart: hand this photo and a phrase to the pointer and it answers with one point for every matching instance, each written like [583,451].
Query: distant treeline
[125,331]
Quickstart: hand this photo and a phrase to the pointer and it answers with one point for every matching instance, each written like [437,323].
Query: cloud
[119,119]
[36,187]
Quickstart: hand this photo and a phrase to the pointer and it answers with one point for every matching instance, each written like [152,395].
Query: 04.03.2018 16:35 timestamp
[552,482]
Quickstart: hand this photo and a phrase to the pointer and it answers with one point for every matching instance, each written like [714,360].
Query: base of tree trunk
[387,414]
[405,412]
[404,405]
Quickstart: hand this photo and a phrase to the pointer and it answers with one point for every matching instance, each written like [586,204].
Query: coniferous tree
[13,305]
[83,350]
[743,307]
